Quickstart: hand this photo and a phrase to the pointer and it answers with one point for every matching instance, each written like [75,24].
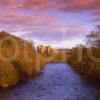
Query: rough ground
[58,82]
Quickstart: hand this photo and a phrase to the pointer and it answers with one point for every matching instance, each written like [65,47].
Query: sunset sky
[60,23]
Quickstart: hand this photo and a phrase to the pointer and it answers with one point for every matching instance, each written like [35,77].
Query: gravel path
[58,82]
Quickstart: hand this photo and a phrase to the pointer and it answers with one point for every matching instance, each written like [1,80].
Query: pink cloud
[96,19]
[7,4]
[78,5]
[96,16]
[34,5]
[14,21]
[40,26]
[96,12]
[38,7]
[62,5]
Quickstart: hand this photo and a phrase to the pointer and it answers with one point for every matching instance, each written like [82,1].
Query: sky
[59,23]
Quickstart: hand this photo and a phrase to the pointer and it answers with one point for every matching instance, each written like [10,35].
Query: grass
[24,64]
[87,68]
[17,60]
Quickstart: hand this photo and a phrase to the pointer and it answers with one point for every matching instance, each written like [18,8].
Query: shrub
[8,75]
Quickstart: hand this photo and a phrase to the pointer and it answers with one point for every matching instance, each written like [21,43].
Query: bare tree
[93,38]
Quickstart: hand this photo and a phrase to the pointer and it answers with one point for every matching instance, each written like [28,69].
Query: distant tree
[41,49]
[93,38]
[49,50]
[31,43]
